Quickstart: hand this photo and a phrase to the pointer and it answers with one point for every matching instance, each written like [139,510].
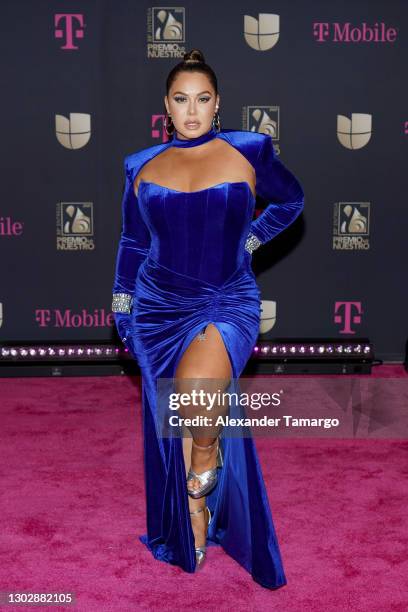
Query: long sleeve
[282,193]
[134,244]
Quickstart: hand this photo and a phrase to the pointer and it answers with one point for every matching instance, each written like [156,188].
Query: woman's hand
[123,325]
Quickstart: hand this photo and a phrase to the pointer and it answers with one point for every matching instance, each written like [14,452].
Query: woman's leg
[205,365]
[197,520]
[205,358]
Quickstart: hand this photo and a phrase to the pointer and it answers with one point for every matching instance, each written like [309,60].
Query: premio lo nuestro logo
[75,226]
[351,226]
[263,119]
[166,32]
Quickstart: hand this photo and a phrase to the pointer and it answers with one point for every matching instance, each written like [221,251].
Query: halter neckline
[194,141]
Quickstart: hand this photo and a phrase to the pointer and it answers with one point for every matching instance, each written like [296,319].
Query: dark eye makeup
[182,98]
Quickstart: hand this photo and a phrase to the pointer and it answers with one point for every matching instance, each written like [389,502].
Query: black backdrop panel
[60,205]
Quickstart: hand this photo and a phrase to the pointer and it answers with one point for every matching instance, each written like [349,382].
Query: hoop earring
[216,122]
[166,125]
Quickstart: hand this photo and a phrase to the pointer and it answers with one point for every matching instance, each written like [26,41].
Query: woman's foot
[203,458]
[200,519]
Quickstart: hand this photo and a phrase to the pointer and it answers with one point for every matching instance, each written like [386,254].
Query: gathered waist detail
[174,281]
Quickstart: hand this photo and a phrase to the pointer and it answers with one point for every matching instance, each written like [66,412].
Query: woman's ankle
[204,443]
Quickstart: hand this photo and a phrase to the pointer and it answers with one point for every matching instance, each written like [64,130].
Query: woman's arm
[134,245]
[282,193]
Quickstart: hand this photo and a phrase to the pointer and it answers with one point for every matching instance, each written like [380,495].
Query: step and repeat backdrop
[83,86]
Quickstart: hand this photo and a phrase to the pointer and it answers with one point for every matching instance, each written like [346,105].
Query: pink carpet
[72,507]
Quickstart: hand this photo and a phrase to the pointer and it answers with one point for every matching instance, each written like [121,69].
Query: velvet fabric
[181,256]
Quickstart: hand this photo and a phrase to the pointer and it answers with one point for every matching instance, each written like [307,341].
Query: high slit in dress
[182,258]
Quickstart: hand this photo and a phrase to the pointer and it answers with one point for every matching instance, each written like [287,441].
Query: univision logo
[354,133]
[268,316]
[75,132]
[263,33]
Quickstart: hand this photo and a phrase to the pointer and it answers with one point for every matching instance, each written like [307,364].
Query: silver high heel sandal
[209,478]
[200,551]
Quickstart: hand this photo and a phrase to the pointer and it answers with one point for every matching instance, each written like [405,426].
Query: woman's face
[192,103]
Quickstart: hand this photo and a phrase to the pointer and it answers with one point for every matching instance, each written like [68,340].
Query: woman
[187,305]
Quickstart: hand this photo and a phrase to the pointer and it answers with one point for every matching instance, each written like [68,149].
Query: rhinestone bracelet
[122,302]
[252,243]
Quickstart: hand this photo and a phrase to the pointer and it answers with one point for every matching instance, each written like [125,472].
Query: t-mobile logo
[64,25]
[347,313]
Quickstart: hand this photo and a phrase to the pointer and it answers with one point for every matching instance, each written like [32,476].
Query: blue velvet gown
[182,257]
